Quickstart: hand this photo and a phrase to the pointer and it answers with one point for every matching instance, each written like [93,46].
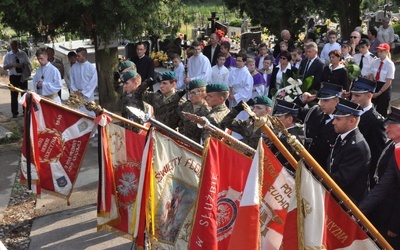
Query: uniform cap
[393,116]
[329,90]
[197,83]
[124,65]
[263,100]
[128,75]
[363,85]
[216,87]
[346,108]
[168,75]
[364,42]
[285,108]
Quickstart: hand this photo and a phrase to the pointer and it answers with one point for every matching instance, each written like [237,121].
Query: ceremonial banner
[174,178]
[224,175]
[277,190]
[59,138]
[120,167]
[320,221]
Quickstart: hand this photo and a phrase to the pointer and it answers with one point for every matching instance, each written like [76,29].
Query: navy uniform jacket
[382,205]
[349,162]
[319,137]
[373,129]
[315,69]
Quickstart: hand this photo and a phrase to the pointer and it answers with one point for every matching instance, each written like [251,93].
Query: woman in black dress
[335,72]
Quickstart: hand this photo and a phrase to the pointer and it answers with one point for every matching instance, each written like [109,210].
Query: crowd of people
[343,122]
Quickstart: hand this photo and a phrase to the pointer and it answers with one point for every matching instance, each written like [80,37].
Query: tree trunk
[349,16]
[106,64]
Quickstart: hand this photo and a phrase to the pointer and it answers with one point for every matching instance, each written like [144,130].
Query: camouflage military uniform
[134,101]
[165,106]
[245,128]
[188,128]
[215,117]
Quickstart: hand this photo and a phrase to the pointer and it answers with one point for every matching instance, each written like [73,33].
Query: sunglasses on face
[353,37]
[283,58]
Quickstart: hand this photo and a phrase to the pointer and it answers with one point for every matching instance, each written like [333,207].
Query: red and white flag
[120,167]
[277,190]
[224,175]
[174,178]
[59,139]
[316,221]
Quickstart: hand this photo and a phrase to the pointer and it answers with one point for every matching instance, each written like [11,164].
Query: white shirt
[367,61]
[279,74]
[11,58]
[387,71]
[385,35]
[51,81]
[328,47]
[180,71]
[83,77]
[261,62]
[199,67]
[241,82]
[220,75]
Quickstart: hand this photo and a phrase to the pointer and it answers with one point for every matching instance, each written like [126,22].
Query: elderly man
[285,36]
[199,67]
[13,62]
[350,155]
[355,38]
[212,50]
[312,65]
[382,205]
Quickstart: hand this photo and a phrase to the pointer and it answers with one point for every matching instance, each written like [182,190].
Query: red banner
[223,179]
[59,137]
[122,152]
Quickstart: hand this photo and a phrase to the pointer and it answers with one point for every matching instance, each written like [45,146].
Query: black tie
[325,119]
[361,62]
[307,65]
[338,141]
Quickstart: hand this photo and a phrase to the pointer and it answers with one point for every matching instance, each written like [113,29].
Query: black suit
[319,136]
[382,205]
[207,53]
[289,73]
[348,165]
[373,129]
[145,67]
[315,69]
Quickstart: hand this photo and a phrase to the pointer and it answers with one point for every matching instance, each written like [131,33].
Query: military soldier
[217,94]
[382,205]
[318,128]
[371,122]
[247,128]
[166,102]
[196,105]
[287,113]
[131,80]
[350,155]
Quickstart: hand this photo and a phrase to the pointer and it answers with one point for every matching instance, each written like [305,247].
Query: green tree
[277,15]
[101,20]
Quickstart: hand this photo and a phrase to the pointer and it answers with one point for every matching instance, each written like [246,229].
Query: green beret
[125,64]
[216,87]
[263,100]
[168,75]
[128,75]
[197,83]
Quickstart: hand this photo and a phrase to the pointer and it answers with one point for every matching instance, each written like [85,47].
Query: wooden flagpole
[329,182]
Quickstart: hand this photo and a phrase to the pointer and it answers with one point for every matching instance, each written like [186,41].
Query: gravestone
[246,39]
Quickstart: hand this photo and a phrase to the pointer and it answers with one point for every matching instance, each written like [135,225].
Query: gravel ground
[17,220]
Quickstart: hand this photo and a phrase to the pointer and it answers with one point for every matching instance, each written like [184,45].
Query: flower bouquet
[292,87]
[158,57]
[353,70]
